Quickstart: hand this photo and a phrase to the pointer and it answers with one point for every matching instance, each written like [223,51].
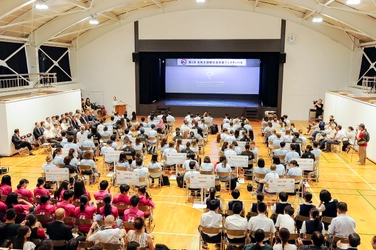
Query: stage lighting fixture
[317,19]
[41,5]
[93,20]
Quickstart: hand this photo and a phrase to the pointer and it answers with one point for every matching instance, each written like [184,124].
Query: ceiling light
[41,5]
[317,19]
[200,1]
[350,2]
[93,20]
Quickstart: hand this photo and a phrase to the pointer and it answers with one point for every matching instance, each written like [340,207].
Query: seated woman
[247,151]
[122,163]
[88,161]
[37,232]
[139,235]
[314,224]
[107,209]
[223,167]
[145,200]
[59,193]
[283,240]
[20,205]
[84,211]
[57,156]
[212,192]
[154,164]
[6,185]
[79,190]
[71,154]
[72,169]
[22,190]
[207,165]
[21,242]
[45,208]
[39,191]
[259,245]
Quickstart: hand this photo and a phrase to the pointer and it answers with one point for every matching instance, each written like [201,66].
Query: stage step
[251,113]
[161,109]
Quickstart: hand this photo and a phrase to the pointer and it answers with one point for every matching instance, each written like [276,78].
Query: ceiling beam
[110,15]
[158,3]
[329,2]
[308,14]
[78,4]
[359,22]
[12,6]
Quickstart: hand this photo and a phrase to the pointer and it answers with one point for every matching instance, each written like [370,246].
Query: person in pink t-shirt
[23,192]
[59,194]
[108,209]
[79,190]
[145,200]
[104,190]
[133,212]
[67,205]
[6,185]
[20,205]
[45,208]
[123,197]
[84,211]
[39,191]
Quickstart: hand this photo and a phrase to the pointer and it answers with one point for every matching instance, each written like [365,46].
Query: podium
[121,108]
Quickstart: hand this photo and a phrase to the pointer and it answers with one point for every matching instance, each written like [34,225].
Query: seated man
[261,221]
[354,242]
[67,205]
[236,222]
[269,176]
[286,220]
[57,230]
[279,207]
[106,234]
[104,189]
[338,137]
[20,143]
[342,225]
[211,219]
[235,195]
[133,212]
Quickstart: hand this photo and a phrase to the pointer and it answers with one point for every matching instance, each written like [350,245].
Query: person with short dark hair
[235,195]
[260,198]
[45,208]
[286,220]
[261,221]
[342,225]
[211,219]
[123,197]
[104,189]
[133,245]
[236,222]
[133,212]
[305,208]
[278,208]
[67,205]
[354,242]
[19,142]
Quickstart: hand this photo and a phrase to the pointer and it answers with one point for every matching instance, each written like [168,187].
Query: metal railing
[369,84]
[22,81]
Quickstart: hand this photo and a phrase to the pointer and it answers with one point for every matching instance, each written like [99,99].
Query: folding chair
[210,230]
[85,244]
[151,220]
[223,175]
[110,246]
[236,233]
[156,174]
[256,177]
[59,243]
[85,170]
[44,218]
[84,222]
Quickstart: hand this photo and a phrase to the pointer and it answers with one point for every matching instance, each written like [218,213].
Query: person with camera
[362,143]
[319,107]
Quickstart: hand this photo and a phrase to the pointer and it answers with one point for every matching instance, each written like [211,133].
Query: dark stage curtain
[55,53]
[17,62]
[371,53]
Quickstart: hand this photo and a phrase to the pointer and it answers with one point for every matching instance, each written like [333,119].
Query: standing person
[362,143]
[114,103]
[319,106]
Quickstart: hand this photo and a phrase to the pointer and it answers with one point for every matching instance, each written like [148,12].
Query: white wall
[106,68]
[314,65]
[23,113]
[210,24]
[351,112]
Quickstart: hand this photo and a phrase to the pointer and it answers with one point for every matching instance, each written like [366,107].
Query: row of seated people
[307,220]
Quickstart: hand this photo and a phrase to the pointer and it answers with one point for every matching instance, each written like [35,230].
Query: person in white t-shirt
[286,220]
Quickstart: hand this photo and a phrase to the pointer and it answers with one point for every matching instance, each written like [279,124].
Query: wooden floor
[176,221]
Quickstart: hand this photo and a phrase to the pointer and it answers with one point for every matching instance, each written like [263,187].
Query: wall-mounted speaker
[282,58]
[135,57]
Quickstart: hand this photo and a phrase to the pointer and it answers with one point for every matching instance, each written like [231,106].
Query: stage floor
[209,103]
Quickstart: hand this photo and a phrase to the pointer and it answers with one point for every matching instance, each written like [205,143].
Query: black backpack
[180,180]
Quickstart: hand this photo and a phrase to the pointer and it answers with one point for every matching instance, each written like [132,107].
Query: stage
[218,106]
